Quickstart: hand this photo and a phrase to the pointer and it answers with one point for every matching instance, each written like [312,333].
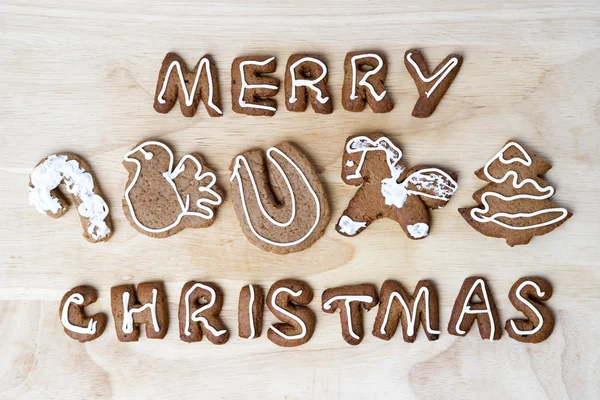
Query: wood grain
[80,76]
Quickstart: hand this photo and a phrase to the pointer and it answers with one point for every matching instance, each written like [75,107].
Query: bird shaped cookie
[160,199]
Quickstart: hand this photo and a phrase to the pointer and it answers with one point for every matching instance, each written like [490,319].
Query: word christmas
[200,305]
[305,82]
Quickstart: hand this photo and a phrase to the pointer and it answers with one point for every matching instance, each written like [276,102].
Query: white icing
[56,169]
[195,317]
[548,191]
[236,175]
[444,71]
[528,304]
[307,82]
[128,314]
[348,226]
[347,300]
[250,305]
[76,298]
[467,309]
[418,230]
[350,163]
[245,85]
[411,319]
[363,81]
[170,175]
[189,97]
[394,193]
[288,314]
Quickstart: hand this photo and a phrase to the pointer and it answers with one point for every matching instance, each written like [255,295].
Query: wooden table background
[80,76]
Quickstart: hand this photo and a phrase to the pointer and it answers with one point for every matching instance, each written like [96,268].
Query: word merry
[305,82]
[200,305]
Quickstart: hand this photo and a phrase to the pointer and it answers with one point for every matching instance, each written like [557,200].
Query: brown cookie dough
[527,295]
[431,86]
[287,299]
[350,300]
[250,311]
[175,82]
[466,310]
[163,198]
[306,82]
[200,304]
[147,306]
[251,92]
[72,315]
[364,82]
[283,226]
[398,306]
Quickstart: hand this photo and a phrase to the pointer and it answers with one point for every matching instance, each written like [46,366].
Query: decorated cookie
[287,299]
[306,82]
[71,170]
[146,306]
[388,189]
[250,311]
[398,306]
[467,309]
[527,295]
[350,300]
[199,308]
[251,92]
[286,226]
[515,205]
[175,82]
[364,82]
[431,86]
[72,315]
[162,199]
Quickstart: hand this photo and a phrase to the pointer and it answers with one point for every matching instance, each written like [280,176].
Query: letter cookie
[466,311]
[527,295]
[199,308]
[388,189]
[286,300]
[349,299]
[364,82]
[250,90]
[516,204]
[431,87]
[250,311]
[286,226]
[160,199]
[175,82]
[396,305]
[72,316]
[306,81]
[71,170]
[147,306]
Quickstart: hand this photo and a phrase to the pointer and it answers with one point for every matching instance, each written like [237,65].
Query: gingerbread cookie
[364,82]
[176,82]
[71,170]
[388,189]
[250,90]
[250,311]
[160,199]
[72,315]
[287,299]
[422,307]
[131,308]
[306,81]
[431,86]
[466,310]
[349,300]
[286,226]
[527,295]
[516,204]
[199,308]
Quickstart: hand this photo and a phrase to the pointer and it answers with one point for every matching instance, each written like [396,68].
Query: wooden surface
[80,76]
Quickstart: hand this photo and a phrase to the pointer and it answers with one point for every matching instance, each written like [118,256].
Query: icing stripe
[444,71]
[194,317]
[287,314]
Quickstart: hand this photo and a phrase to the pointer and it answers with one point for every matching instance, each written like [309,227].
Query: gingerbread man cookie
[199,308]
[72,316]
